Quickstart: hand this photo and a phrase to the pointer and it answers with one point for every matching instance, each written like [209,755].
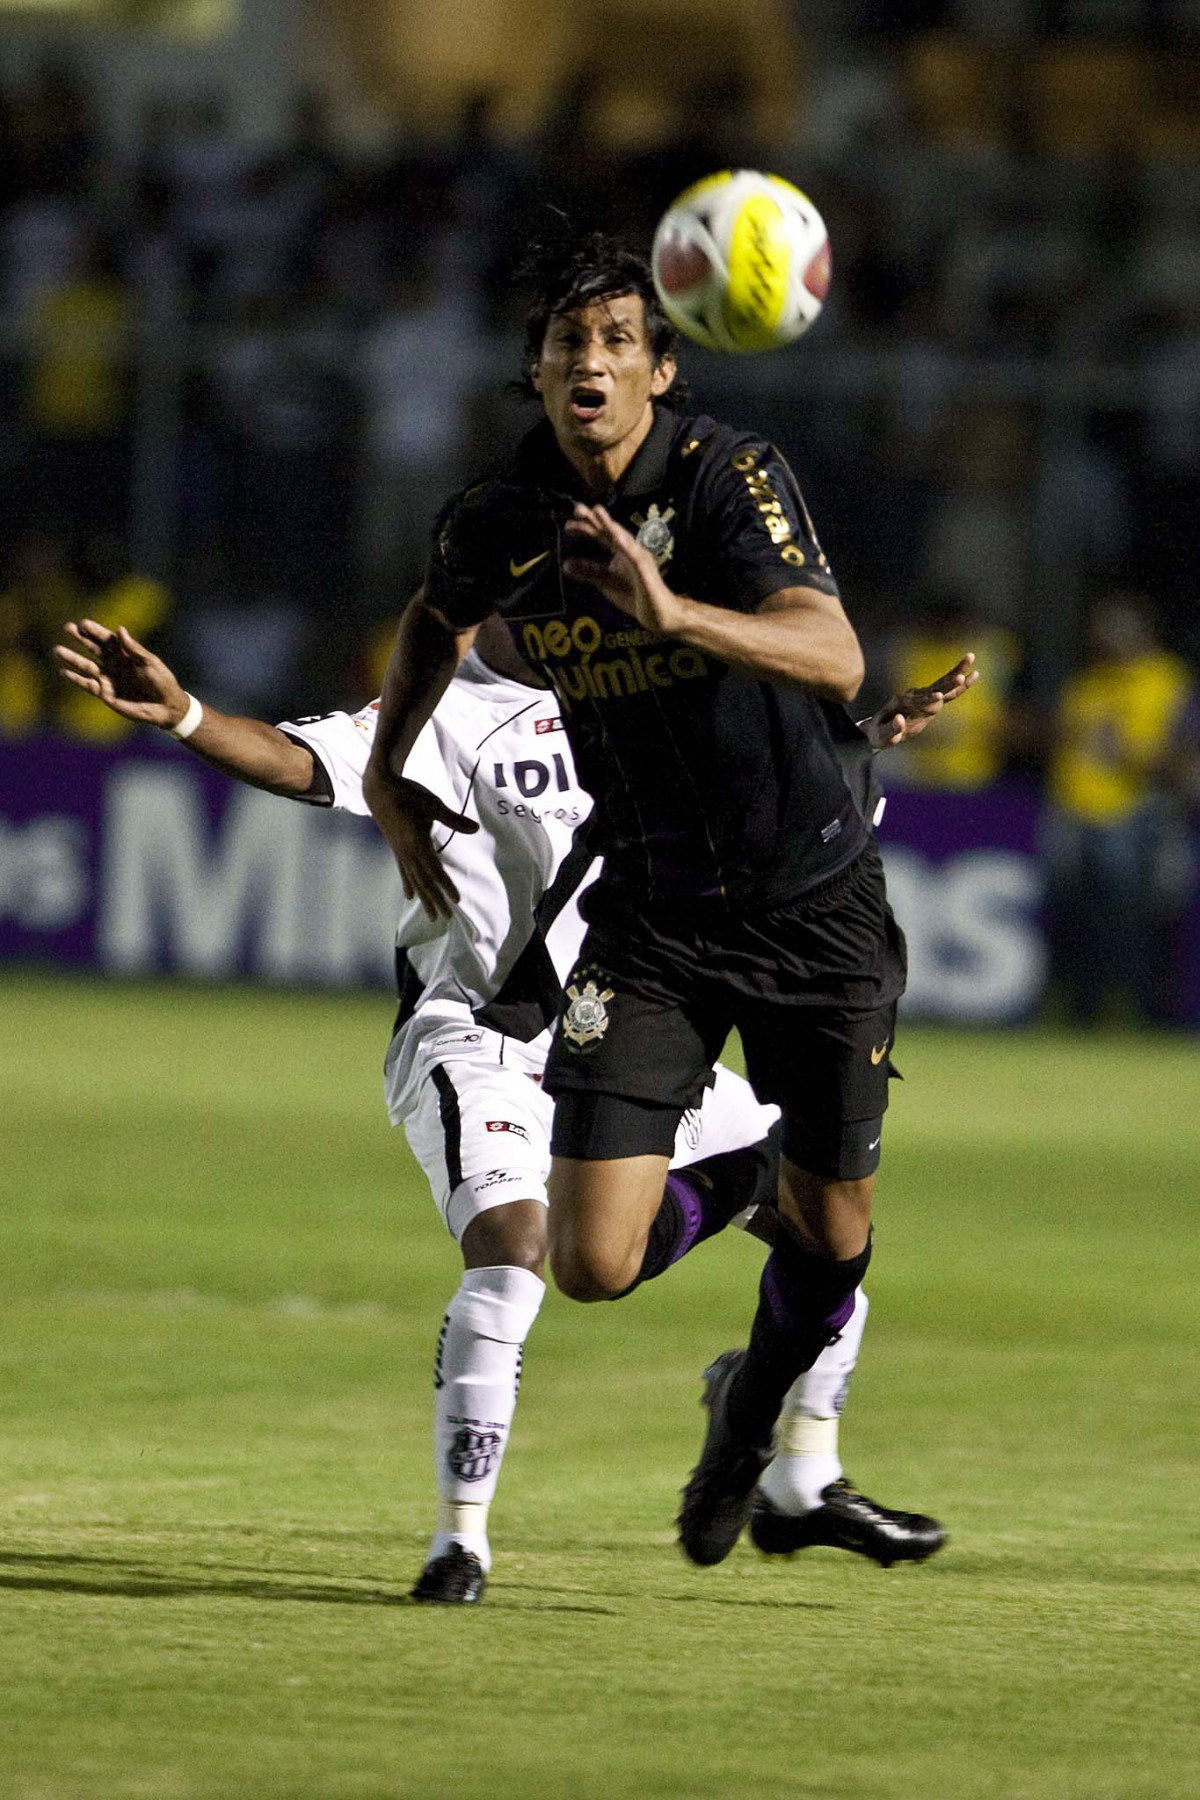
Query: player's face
[597,378]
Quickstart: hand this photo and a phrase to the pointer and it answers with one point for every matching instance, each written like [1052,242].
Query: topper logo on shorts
[507,1125]
[473,1451]
[499,1178]
[586,1019]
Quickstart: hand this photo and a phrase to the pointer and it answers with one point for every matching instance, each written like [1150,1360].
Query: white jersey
[496,751]
[463,1073]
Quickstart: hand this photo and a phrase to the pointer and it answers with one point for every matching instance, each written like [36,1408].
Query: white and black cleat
[846,1520]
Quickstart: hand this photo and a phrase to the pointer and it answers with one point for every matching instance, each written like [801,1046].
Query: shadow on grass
[706,1598]
[146,1585]
[130,1580]
[134,1581]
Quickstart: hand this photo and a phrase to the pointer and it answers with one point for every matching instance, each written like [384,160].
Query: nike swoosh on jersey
[516,568]
[877,1056]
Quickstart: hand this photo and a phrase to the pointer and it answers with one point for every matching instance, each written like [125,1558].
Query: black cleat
[455,1578]
[846,1520]
[720,1492]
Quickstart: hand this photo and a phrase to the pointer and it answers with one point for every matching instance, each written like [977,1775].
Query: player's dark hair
[570,271]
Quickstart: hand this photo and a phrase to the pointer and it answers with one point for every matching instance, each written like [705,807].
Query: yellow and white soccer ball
[741,261]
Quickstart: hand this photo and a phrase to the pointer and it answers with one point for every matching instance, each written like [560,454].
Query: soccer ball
[741,261]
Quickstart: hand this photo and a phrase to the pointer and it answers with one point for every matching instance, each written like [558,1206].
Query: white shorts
[480,1128]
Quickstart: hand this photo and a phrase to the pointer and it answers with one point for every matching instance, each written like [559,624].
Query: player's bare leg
[617,1223]
[832,1218]
[477,1375]
[600,1217]
[515,1235]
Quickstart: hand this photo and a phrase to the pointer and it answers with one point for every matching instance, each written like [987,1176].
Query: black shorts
[810,986]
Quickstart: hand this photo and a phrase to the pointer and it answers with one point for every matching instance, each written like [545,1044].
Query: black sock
[804,1299]
[700,1200]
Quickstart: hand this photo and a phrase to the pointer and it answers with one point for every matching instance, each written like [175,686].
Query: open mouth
[587,402]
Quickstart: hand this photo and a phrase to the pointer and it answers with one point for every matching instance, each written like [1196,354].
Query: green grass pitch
[221,1283]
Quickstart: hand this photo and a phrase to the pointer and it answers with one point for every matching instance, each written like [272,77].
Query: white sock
[477,1372]
[806,1456]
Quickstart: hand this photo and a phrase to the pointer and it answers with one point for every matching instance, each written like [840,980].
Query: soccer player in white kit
[463,1071]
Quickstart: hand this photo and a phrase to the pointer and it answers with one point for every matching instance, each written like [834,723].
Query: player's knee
[589,1276]
[515,1235]
[576,1283]
[832,1215]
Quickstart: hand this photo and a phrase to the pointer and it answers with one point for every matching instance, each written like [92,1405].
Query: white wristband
[190,719]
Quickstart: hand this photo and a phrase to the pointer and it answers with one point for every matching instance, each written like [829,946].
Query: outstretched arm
[132,681]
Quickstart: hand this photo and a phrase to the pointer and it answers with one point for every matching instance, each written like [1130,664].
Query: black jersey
[707,780]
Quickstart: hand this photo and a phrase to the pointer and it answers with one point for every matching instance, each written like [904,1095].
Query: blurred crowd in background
[237,381]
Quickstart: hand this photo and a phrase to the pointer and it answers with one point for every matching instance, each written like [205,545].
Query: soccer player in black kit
[661,571]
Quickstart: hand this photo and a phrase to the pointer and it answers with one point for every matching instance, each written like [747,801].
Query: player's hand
[906,715]
[406,813]
[127,677]
[627,574]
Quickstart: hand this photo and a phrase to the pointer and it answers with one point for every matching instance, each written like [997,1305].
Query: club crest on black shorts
[586,1018]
